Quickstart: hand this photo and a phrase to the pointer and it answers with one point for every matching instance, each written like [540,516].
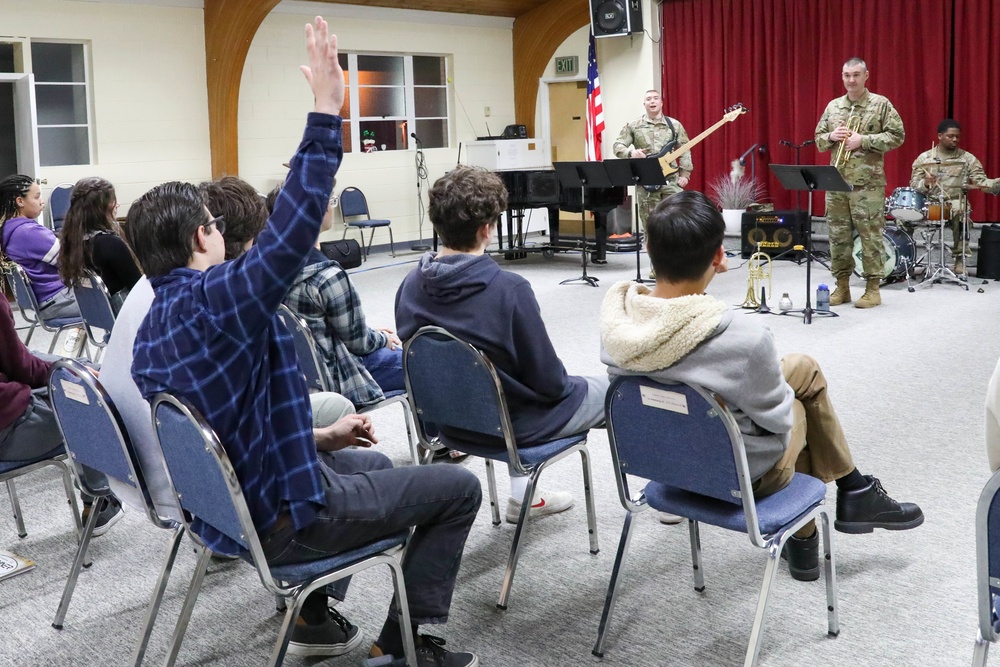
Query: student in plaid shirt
[213,336]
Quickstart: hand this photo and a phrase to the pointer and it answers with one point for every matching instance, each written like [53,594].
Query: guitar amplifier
[775,231]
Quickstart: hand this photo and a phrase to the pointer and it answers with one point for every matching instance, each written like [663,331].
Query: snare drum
[906,204]
[898,252]
[934,211]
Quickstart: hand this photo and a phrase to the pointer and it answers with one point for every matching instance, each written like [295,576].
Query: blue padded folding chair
[452,385]
[354,205]
[96,437]
[24,296]
[96,310]
[688,445]
[11,470]
[59,205]
[206,487]
[987,566]
[312,369]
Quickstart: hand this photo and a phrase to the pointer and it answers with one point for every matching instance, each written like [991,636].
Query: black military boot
[862,510]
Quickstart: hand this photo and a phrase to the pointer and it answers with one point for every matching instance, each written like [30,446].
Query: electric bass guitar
[671,151]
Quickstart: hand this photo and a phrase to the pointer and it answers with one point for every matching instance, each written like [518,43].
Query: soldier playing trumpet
[948,168]
[875,129]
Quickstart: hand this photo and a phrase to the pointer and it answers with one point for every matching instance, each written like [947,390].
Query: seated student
[361,363]
[212,335]
[464,291]
[33,246]
[675,332]
[90,240]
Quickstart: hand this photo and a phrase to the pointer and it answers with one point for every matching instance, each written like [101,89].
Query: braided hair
[12,187]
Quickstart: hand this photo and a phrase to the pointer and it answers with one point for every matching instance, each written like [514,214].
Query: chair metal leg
[515,547]
[403,605]
[612,595]
[491,484]
[392,247]
[770,573]
[285,633]
[830,574]
[74,507]
[981,651]
[699,574]
[185,616]
[16,506]
[410,433]
[153,609]
[588,495]
[74,573]
[371,238]
[31,332]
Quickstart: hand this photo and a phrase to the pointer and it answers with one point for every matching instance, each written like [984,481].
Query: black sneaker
[334,636]
[109,514]
[430,653]
[862,510]
[802,555]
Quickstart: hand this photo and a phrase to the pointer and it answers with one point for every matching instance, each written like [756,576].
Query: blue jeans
[367,500]
[386,368]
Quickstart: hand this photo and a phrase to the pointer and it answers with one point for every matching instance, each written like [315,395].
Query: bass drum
[898,253]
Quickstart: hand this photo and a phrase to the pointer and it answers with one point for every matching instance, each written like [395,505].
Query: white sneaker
[72,340]
[670,519]
[546,502]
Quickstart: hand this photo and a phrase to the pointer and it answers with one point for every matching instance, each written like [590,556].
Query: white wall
[274,98]
[150,102]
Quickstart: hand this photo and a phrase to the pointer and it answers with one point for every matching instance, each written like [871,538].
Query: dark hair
[272,198]
[12,187]
[162,224]
[90,210]
[948,124]
[683,234]
[243,208]
[855,60]
[462,201]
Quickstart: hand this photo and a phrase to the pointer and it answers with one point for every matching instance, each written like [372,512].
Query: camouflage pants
[959,243]
[861,210]
[649,200]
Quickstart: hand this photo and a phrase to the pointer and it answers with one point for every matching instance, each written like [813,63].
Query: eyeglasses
[219,222]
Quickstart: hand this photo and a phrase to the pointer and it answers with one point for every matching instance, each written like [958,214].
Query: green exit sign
[567,66]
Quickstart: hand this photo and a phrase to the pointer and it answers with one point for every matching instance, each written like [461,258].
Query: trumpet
[853,125]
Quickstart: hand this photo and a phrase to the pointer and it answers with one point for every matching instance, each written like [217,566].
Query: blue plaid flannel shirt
[214,337]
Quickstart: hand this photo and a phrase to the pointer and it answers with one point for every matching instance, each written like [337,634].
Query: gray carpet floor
[908,380]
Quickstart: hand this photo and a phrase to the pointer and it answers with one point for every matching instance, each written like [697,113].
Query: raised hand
[324,74]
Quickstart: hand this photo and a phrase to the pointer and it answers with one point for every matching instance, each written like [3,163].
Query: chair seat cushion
[299,572]
[63,321]
[370,223]
[494,448]
[7,466]
[773,511]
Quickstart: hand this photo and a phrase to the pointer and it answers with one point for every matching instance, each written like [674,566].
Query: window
[62,99]
[391,97]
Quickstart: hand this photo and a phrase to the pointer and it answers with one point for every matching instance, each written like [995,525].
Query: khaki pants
[817,446]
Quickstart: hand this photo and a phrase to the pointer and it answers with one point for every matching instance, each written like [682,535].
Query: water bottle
[785,303]
[823,297]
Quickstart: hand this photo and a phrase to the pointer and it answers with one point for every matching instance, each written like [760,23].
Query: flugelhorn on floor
[853,125]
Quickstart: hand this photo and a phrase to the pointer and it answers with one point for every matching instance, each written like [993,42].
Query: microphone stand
[421,178]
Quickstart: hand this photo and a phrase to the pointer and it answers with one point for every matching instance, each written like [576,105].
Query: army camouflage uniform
[650,136]
[863,208]
[951,177]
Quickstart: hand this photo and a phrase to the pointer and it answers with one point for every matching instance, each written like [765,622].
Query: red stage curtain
[783,58]
[977,93]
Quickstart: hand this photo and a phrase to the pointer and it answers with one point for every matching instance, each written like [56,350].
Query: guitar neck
[670,157]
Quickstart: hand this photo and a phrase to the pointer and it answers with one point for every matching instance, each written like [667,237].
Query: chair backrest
[305,349]
[352,203]
[93,431]
[988,553]
[452,384]
[20,285]
[95,307]
[59,204]
[677,434]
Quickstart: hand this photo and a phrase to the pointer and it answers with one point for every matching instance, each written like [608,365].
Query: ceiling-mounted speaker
[613,18]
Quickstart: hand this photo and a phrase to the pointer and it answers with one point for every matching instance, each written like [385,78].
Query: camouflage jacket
[882,130]
[951,176]
[651,136]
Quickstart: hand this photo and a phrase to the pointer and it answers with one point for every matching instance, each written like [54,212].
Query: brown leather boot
[871,297]
[842,294]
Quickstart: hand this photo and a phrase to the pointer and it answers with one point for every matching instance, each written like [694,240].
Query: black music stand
[582,175]
[810,178]
[638,172]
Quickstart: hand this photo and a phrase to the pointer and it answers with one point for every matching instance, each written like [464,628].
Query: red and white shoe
[546,502]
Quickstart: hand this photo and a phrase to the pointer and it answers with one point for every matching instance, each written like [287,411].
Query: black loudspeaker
[988,262]
[776,231]
[613,18]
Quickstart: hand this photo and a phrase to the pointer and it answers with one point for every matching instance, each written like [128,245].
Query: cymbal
[944,163]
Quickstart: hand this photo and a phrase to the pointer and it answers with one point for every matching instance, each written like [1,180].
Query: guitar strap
[673,138]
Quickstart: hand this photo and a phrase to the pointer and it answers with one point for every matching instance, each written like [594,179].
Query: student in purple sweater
[33,246]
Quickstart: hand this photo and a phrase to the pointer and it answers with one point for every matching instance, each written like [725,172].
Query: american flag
[595,109]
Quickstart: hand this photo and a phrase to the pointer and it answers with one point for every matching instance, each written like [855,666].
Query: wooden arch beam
[230,26]
[537,35]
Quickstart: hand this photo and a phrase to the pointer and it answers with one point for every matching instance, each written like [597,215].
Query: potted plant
[733,194]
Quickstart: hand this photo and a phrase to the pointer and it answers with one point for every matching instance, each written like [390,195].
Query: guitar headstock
[735,111]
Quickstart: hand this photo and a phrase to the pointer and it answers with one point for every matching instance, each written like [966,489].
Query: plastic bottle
[823,297]
[785,303]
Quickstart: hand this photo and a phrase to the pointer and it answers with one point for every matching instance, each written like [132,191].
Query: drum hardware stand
[636,173]
[941,272]
[810,178]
